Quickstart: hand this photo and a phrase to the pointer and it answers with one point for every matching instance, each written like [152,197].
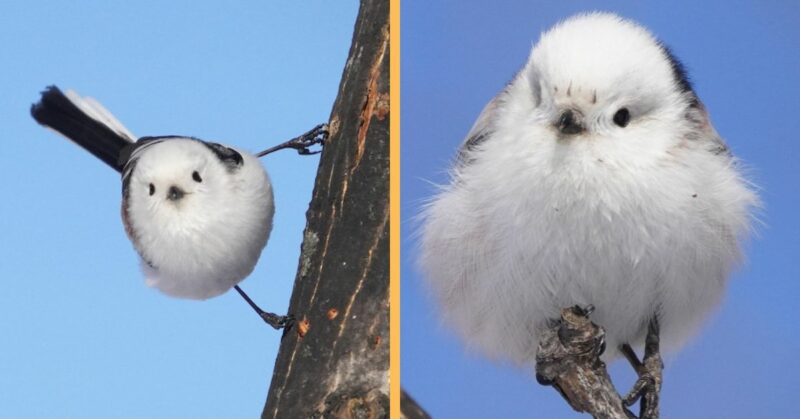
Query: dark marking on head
[569,89]
[128,151]
[130,155]
[678,70]
[126,177]
[594,96]
[681,76]
[228,156]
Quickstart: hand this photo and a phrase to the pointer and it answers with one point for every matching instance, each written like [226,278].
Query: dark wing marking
[696,113]
[703,130]
[479,133]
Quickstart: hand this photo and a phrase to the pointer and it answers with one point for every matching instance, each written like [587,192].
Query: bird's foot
[276,321]
[272,319]
[302,143]
[647,388]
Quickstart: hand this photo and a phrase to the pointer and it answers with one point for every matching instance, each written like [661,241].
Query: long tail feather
[84,121]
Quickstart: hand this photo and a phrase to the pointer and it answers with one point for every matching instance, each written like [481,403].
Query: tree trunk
[334,361]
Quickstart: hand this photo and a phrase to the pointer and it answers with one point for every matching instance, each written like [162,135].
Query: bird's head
[177,188]
[597,80]
[173,176]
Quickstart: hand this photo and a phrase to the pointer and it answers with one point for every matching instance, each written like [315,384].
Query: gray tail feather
[55,110]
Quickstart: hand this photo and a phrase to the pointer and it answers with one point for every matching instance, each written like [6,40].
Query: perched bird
[594,178]
[198,213]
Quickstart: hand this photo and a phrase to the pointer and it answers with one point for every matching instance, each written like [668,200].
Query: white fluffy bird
[198,213]
[595,178]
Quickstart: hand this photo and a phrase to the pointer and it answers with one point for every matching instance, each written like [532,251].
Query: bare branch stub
[568,358]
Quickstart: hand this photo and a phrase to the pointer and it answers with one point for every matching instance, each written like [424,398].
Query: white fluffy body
[640,221]
[208,241]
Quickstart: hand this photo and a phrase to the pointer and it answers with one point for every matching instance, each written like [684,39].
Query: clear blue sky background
[82,336]
[744,59]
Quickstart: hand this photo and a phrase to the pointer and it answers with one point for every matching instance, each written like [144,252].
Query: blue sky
[744,61]
[82,335]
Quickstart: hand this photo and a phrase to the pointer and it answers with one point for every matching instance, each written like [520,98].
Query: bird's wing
[480,131]
[704,130]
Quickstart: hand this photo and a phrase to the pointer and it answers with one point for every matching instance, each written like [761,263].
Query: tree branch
[568,358]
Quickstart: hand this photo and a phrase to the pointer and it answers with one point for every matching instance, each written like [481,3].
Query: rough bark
[568,358]
[334,361]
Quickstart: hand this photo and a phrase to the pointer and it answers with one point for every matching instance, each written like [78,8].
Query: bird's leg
[272,319]
[317,135]
[632,358]
[648,387]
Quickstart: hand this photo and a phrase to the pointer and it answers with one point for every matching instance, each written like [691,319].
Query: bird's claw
[317,135]
[276,321]
[647,388]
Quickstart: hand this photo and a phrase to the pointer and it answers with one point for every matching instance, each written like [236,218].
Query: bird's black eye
[622,117]
[196,177]
[152,189]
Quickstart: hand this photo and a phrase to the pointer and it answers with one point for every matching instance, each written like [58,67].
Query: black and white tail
[84,121]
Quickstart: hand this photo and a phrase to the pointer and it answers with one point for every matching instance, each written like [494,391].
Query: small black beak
[569,123]
[175,193]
